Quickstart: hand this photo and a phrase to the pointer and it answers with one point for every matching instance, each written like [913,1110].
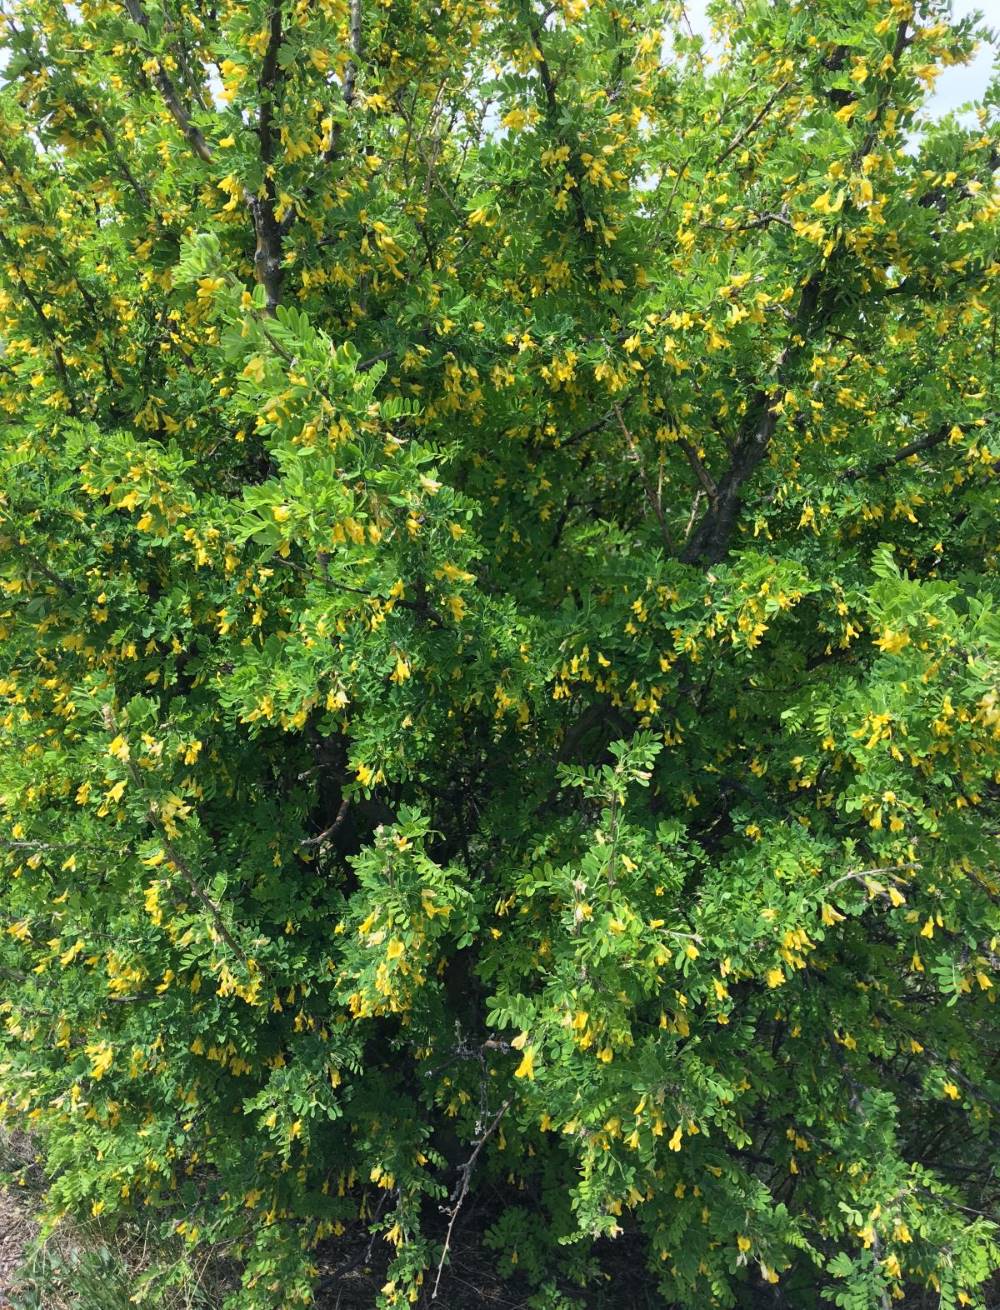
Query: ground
[15,1230]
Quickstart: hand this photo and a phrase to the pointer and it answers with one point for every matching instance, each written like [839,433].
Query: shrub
[500,640]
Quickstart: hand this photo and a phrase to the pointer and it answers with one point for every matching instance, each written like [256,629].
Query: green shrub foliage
[500,640]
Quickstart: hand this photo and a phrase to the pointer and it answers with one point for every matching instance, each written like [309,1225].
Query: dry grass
[84,1265]
[16,1231]
[17,1204]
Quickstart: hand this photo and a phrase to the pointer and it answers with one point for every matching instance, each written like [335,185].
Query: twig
[754,123]
[654,502]
[169,92]
[327,832]
[693,515]
[914,448]
[861,874]
[462,1188]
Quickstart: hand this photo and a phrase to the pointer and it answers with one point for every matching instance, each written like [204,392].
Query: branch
[169,92]
[462,1188]
[585,432]
[328,832]
[711,538]
[761,220]
[701,472]
[175,857]
[351,72]
[423,608]
[654,500]
[142,195]
[899,45]
[752,126]
[267,256]
[861,875]
[574,165]
[349,91]
[695,505]
[914,448]
[57,354]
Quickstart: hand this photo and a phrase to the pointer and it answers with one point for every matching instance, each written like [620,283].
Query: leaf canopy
[500,642]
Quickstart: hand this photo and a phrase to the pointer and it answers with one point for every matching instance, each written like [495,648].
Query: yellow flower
[526,1069]
[516,120]
[68,956]
[101,1056]
[401,671]
[892,642]
[830,202]
[119,748]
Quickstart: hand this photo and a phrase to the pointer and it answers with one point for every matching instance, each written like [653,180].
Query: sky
[957,85]
[954,87]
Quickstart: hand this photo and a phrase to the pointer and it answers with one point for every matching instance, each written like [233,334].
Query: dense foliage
[500,641]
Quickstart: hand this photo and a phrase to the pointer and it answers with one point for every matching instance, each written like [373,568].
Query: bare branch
[327,833]
[462,1188]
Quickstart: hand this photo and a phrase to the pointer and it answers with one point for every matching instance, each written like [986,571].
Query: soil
[16,1228]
